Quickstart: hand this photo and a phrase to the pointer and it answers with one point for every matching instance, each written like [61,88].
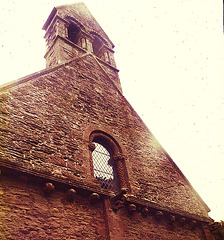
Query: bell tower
[71,32]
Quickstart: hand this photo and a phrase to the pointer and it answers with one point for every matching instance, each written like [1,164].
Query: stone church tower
[77,162]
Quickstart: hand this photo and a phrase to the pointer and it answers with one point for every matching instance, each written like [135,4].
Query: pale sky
[170,57]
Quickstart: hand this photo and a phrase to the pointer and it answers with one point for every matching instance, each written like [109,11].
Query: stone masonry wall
[137,226]
[26,212]
[49,116]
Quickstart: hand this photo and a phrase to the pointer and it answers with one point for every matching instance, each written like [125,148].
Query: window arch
[97,46]
[73,32]
[107,161]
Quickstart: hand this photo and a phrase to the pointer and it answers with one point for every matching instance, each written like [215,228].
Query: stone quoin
[77,162]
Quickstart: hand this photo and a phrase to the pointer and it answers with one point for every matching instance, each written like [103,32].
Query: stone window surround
[104,166]
[82,36]
[116,153]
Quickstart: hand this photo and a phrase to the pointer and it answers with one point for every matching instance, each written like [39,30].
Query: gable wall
[50,115]
[48,125]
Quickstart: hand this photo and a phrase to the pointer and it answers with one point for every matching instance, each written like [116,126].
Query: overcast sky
[170,57]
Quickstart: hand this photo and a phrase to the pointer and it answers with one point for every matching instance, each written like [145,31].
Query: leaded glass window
[103,167]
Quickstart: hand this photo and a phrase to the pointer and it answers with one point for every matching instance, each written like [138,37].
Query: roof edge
[49,19]
[21,80]
[14,83]
[186,180]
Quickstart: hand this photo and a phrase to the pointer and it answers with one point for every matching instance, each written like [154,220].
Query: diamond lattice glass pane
[103,172]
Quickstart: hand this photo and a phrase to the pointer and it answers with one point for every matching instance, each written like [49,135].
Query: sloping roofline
[32,76]
[49,19]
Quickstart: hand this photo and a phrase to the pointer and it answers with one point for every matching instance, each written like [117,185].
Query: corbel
[119,200]
[182,220]
[94,197]
[132,207]
[159,215]
[70,194]
[49,188]
[145,210]
[193,223]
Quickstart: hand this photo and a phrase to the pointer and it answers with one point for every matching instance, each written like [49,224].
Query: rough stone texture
[136,226]
[80,13]
[46,121]
[49,115]
[27,213]
[61,49]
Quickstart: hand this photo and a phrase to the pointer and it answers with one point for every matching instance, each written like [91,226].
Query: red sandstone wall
[45,124]
[138,227]
[49,118]
[27,213]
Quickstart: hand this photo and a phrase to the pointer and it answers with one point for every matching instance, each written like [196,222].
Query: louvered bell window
[103,167]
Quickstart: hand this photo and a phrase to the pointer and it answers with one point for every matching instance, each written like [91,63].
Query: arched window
[107,161]
[73,32]
[104,168]
[97,45]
